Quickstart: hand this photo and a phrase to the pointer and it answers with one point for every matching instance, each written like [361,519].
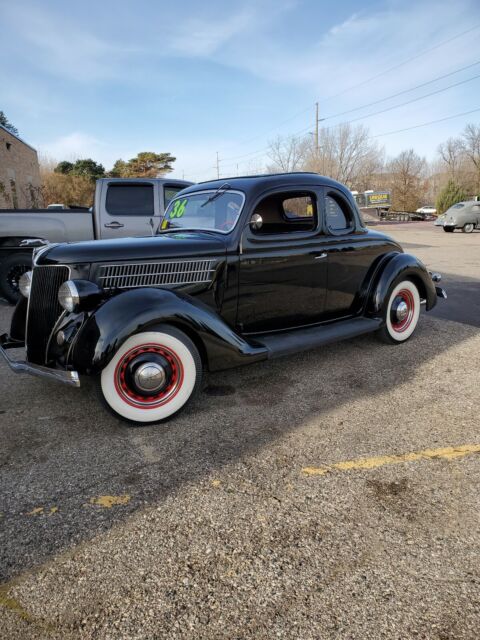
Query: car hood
[169,245]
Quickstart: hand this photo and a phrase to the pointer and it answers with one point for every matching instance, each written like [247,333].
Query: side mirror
[256,222]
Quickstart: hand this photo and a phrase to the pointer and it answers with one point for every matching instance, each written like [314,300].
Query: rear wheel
[152,376]
[468,228]
[12,267]
[401,314]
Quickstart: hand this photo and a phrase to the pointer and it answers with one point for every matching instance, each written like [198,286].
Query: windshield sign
[209,210]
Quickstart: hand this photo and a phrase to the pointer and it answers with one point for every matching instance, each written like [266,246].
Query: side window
[130,200]
[287,212]
[169,194]
[338,215]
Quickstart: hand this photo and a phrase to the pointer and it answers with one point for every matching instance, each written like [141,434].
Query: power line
[401,64]
[366,81]
[425,124]
[402,104]
[399,93]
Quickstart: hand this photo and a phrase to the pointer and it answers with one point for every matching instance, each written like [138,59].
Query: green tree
[148,164]
[8,125]
[450,195]
[64,167]
[119,169]
[88,168]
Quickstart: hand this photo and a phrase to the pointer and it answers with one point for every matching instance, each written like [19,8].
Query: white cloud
[61,46]
[198,37]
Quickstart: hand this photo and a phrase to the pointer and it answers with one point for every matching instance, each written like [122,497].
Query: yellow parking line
[379,461]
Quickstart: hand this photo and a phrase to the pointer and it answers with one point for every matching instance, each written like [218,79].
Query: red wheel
[152,376]
[402,313]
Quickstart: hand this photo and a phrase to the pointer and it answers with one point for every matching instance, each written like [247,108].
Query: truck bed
[50,211]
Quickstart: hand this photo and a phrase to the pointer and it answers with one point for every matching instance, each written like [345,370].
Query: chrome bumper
[21,366]
[441,293]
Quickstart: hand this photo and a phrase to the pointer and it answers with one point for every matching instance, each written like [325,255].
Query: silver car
[463,215]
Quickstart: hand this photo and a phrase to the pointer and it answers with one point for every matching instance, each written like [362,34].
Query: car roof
[259,183]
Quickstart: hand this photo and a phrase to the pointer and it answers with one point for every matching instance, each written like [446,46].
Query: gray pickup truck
[122,207]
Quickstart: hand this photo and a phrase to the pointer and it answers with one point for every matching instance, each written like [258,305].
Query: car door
[350,254]
[283,266]
[126,208]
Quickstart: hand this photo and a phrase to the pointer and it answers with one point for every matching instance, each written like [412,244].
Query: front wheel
[401,314]
[152,376]
[468,228]
[449,229]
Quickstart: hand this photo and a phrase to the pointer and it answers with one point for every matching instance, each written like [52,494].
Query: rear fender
[140,310]
[395,267]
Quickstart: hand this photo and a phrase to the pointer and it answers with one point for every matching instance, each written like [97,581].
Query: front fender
[139,310]
[400,265]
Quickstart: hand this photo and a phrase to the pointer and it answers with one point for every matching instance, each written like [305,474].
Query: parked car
[123,207]
[240,271]
[463,215]
[427,210]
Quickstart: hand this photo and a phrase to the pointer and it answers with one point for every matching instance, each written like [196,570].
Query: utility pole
[218,167]
[316,129]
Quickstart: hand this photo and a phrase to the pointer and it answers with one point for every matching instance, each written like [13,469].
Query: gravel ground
[207,527]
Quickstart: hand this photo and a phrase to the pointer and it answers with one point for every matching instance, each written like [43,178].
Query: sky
[109,79]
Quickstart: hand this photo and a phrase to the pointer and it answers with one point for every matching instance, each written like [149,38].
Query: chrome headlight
[25,283]
[79,295]
[68,296]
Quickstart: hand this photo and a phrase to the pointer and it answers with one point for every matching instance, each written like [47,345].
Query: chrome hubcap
[401,311]
[150,377]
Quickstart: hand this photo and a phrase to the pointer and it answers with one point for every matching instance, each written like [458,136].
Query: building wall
[19,173]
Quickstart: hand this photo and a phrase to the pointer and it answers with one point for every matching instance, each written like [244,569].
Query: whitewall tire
[402,313]
[152,375]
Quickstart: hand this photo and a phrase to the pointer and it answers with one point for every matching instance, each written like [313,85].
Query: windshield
[206,210]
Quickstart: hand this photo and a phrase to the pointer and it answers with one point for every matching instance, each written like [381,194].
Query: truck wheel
[468,228]
[401,314]
[152,376]
[12,267]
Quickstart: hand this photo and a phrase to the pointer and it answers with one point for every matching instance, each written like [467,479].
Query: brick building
[19,172]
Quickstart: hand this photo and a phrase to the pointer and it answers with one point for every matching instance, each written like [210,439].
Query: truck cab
[123,207]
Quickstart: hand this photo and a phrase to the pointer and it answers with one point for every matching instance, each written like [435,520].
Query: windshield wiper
[219,192]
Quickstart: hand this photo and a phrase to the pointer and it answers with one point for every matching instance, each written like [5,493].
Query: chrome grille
[43,309]
[156,274]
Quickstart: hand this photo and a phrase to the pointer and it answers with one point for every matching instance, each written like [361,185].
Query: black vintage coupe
[240,270]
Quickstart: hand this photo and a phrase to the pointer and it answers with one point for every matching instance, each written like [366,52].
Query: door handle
[321,256]
[114,225]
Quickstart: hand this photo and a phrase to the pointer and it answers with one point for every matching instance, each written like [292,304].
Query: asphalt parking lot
[332,494]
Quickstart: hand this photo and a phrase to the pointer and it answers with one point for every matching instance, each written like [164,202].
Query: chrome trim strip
[165,273]
[35,266]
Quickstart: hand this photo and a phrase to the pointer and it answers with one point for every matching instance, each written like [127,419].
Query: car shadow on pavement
[463,300]
[61,451]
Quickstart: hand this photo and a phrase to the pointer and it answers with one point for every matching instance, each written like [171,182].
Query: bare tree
[407,180]
[451,153]
[287,154]
[471,147]
[347,154]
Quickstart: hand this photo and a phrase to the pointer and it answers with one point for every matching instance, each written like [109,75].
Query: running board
[290,342]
